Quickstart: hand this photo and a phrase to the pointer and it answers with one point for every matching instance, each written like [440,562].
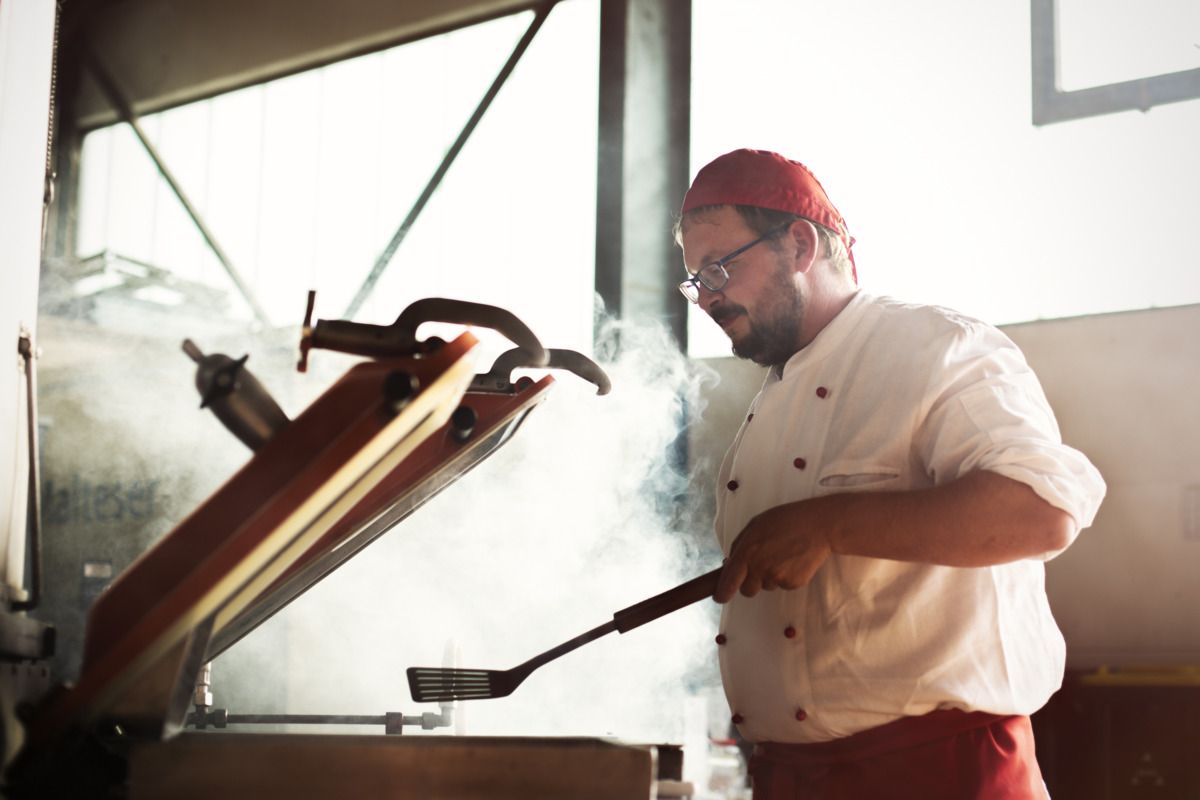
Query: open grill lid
[386,437]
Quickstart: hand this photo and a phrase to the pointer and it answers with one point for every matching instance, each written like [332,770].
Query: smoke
[587,510]
[584,512]
[127,453]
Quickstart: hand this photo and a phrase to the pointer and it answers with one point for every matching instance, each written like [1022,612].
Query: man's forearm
[980,519]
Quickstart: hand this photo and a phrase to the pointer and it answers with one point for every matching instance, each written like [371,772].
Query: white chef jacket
[892,396]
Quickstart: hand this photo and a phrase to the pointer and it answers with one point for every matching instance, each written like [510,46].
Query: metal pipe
[202,696]
[109,87]
[385,257]
[306,719]
[393,722]
[28,353]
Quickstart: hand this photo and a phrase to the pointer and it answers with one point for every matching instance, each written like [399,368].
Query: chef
[885,511]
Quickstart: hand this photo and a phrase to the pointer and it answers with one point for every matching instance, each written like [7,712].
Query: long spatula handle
[671,600]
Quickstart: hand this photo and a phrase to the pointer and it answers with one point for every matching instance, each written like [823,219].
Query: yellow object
[1143,676]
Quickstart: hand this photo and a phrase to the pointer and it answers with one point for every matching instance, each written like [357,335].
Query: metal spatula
[439,685]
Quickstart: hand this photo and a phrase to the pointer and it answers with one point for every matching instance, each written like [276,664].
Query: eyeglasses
[713,276]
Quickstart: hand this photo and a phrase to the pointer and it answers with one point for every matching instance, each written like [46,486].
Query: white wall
[1124,387]
[26,38]
[917,119]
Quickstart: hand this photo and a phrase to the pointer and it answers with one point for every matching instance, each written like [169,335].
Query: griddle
[392,432]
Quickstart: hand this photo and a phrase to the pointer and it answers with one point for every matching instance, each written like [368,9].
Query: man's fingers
[732,576]
[792,575]
[779,579]
[754,581]
[755,566]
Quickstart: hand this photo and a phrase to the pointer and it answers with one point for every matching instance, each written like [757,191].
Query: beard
[775,327]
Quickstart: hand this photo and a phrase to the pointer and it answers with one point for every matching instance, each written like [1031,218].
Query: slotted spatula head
[430,685]
[441,685]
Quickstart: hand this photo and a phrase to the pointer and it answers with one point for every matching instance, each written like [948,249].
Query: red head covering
[766,180]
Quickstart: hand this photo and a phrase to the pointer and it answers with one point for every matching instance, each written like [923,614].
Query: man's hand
[977,520]
[781,548]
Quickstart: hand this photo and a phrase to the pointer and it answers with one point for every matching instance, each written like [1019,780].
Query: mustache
[725,312]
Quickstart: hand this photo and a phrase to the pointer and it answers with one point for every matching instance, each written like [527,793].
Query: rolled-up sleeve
[986,410]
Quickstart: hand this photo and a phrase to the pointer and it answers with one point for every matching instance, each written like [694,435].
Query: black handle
[464,312]
[499,377]
[362,338]
[671,600]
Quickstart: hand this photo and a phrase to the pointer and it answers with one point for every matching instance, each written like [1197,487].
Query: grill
[392,432]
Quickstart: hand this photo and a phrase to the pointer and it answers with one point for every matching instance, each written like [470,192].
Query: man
[885,510]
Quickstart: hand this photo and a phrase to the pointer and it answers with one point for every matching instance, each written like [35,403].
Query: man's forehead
[711,234]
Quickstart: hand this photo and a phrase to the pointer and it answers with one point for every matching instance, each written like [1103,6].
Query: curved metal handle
[400,338]
[464,312]
[500,375]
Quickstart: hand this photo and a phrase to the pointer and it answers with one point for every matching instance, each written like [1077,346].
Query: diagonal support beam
[385,257]
[109,87]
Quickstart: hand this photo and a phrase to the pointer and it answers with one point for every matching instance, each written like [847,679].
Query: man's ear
[808,243]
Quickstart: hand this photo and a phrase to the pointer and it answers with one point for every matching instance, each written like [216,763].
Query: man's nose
[709,298]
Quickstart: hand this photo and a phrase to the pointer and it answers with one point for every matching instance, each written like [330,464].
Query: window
[917,121]
[305,179]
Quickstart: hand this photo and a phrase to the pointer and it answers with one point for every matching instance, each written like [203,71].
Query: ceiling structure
[164,53]
[158,54]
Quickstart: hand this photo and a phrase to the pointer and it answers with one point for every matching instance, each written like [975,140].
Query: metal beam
[645,81]
[167,53]
[1050,104]
[127,114]
[385,257]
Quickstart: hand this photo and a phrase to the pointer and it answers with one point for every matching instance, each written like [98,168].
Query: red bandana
[766,180]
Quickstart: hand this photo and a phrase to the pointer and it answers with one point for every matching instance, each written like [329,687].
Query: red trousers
[944,755]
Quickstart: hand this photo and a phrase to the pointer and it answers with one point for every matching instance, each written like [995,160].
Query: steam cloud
[582,513]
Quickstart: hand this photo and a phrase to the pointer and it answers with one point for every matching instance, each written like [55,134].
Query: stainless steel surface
[265,767]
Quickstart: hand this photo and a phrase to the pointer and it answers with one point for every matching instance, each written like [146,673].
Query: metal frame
[642,169]
[385,257]
[125,110]
[1050,104]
